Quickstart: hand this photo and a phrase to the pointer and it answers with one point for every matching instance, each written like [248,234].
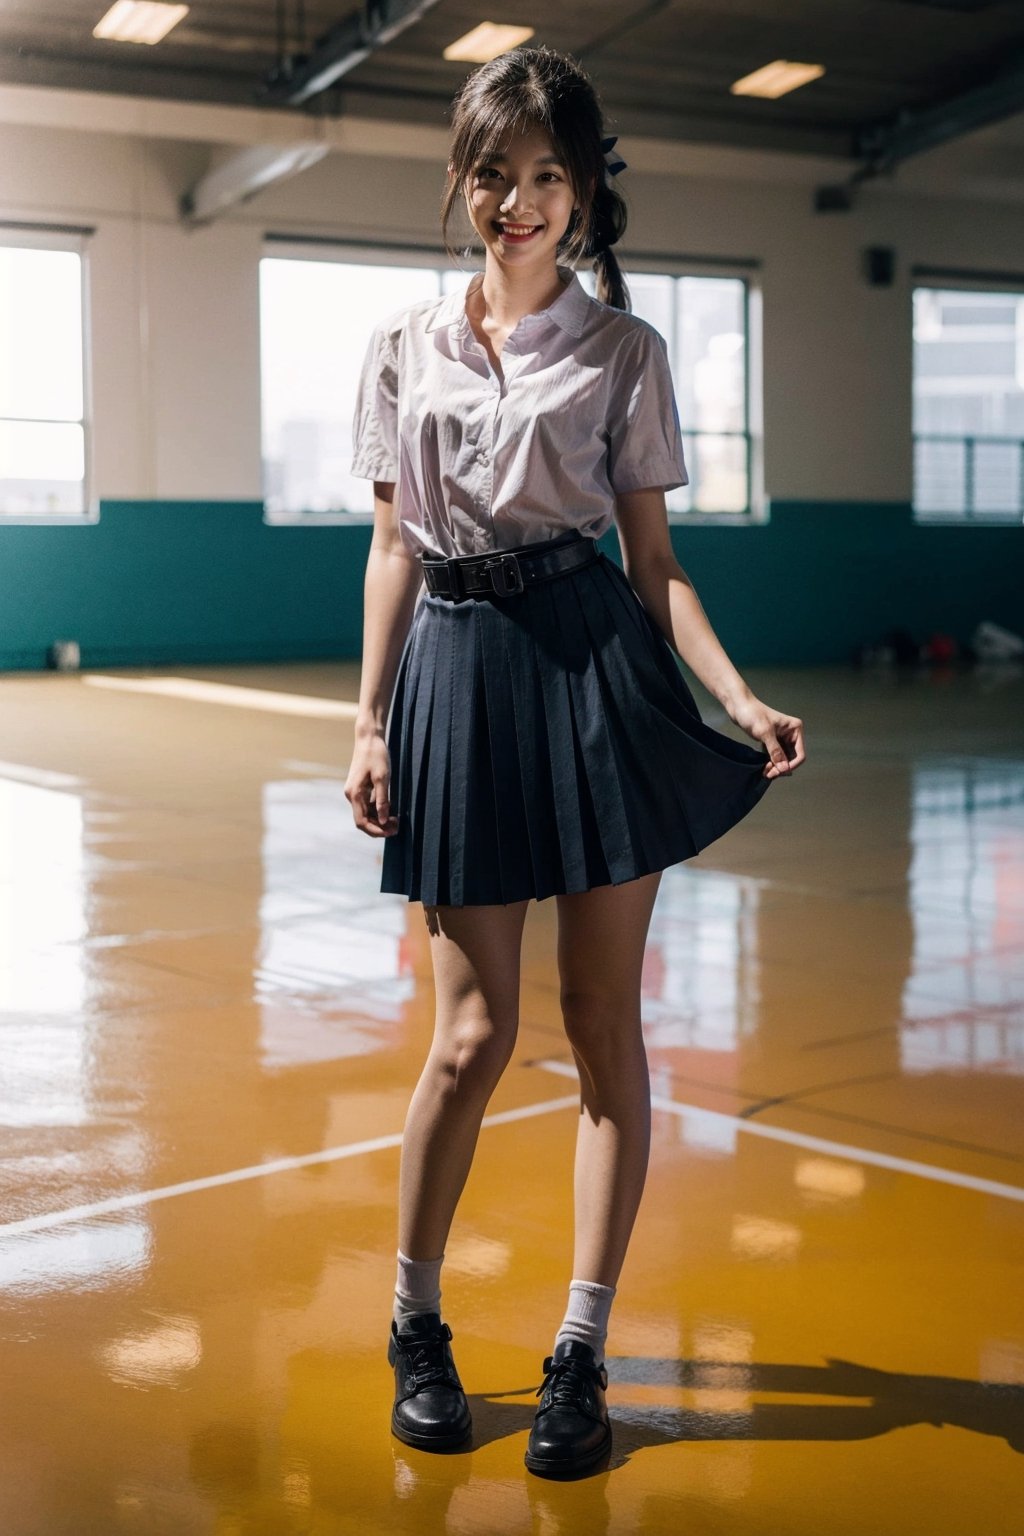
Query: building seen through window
[316,319]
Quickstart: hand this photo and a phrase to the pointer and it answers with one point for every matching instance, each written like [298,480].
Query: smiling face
[520,201]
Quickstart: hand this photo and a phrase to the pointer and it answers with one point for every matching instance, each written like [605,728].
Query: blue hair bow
[613,163]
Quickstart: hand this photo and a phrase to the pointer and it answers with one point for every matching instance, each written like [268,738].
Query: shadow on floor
[887,1400]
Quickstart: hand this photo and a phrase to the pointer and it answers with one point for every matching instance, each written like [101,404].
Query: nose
[510,200]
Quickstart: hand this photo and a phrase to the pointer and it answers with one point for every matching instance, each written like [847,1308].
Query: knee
[474,1050]
[601,1025]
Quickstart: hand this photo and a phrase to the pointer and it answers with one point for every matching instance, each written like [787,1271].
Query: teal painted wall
[168,583]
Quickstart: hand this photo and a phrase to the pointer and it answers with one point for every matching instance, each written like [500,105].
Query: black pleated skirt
[546,742]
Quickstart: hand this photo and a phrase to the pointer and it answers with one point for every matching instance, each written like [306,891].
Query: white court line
[815,1143]
[257,1171]
[201,692]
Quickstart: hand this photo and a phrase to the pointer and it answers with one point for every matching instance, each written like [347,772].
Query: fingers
[785,747]
[379,809]
[371,809]
[794,744]
[779,764]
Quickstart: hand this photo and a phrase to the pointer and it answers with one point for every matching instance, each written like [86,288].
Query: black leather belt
[506,571]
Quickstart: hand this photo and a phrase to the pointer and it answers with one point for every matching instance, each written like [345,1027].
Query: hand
[783,735]
[367,788]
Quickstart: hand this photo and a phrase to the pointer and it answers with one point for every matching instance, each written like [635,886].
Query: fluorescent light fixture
[776,79]
[139,21]
[486,41]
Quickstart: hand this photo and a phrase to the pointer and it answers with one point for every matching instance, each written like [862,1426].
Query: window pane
[939,478]
[968,402]
[316,318]
[40,334]
[718,472]
[703,320]
[997,476]
[710,360]
[42,467]
[454,277]
[654,301]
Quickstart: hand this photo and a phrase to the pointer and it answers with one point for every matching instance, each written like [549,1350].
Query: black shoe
[571,1433]
[431,1411]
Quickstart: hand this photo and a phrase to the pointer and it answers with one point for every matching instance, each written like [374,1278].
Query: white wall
[175,310]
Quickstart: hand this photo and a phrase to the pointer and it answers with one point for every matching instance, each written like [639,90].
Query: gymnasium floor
[211,1024]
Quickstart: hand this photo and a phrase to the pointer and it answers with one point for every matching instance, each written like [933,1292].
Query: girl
[525,731]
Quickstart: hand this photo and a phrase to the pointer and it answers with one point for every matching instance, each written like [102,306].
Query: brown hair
[539,88]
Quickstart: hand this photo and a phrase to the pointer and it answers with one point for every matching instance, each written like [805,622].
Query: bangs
[504,122]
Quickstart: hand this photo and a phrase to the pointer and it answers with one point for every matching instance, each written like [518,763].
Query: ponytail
[611,285]
[607,225]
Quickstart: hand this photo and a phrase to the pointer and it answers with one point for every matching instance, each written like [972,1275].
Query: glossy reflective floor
[211,1024]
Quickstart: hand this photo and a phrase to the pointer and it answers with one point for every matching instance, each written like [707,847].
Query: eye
[484,169]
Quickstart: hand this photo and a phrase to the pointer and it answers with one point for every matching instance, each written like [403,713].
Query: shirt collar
[568,310]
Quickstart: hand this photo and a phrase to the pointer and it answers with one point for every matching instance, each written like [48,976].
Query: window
[968,405]
[317,310]
[705,322]
[43,428]
[316,318]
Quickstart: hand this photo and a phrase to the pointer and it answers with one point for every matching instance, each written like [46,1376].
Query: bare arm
[392,582]
[670,598]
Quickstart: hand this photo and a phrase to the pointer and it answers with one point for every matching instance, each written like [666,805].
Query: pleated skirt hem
[546,743]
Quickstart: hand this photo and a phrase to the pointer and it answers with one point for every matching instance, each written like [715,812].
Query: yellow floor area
[211,1023]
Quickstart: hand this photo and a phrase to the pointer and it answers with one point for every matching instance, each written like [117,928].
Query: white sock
[417,1288]
[587,1316]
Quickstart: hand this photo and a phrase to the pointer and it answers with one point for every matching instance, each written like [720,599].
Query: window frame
[406,254]
[946,280]
[75,238]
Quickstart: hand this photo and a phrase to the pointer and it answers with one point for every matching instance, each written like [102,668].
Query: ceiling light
[139,21]
[486,41]
[776,79]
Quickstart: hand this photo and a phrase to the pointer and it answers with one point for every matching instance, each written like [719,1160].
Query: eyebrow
[540,160]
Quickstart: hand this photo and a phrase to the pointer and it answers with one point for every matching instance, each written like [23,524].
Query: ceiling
[662,67]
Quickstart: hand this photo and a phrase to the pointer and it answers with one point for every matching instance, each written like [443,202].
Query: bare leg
[602,934]
[601,939]
[475,953]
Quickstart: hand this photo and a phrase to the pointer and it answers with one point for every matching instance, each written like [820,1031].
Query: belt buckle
[455,581]
[511,576]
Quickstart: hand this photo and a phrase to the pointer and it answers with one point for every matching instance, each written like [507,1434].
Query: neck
[505,296]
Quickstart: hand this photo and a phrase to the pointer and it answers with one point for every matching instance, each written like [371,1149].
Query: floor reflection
[963,1005]
[101,1255]
[332,990]
[44,983]
[701,977]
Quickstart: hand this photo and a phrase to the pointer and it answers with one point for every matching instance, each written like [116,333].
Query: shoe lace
[428,1361]
[564,1380]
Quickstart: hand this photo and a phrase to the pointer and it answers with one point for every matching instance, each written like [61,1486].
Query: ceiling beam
[882,146]
[299,76]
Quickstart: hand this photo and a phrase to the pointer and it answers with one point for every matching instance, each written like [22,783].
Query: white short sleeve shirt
[583,408]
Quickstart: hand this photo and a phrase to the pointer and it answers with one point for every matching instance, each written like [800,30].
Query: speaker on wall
[879,265]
